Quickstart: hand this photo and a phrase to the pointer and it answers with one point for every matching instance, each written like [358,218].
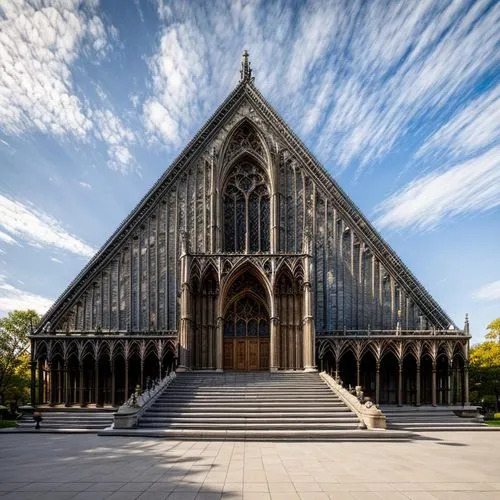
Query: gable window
[246,210]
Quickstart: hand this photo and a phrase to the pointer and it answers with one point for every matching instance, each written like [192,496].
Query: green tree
[484,361]
[14,354]
[493,332]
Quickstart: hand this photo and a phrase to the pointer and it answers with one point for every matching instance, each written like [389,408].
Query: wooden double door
[246,354]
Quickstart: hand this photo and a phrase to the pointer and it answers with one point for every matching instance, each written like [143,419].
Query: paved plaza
[447,465]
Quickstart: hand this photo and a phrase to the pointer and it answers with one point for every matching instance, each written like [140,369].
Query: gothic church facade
[246,255]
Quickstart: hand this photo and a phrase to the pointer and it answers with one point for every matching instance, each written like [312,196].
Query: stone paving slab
[437,466]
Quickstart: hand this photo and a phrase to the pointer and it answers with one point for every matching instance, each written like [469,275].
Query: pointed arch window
[246,210]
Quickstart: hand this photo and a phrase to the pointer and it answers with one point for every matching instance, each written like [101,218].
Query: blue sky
[399,100]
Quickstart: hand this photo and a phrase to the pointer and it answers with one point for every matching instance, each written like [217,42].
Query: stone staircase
[431,418]
[72,419]
[289,405]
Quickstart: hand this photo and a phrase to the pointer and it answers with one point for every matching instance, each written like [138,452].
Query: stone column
[418,384]
[113,383]
[450,382]
[40,382]
[400,384]
[213,205]
[142,374]
[273,344]
[59,383]
[434,399]
[185,326]
[308,320]
[66,384]
[466,384]
[33,383]
[126,379]
[219,336]
[52,384]
[81,383]
[358,374]
[377,382]
[274,202]
[96,367]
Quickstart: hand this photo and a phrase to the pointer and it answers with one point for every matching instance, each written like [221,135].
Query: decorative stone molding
[128,415]
[368,413]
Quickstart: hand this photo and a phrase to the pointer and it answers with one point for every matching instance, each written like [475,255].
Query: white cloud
[474,127]
[7,239]
[355,76]
[117,136]
[39,43]
[55,259]
[25,222]
[85,185]
[470,186]
[12,298]
[490,291]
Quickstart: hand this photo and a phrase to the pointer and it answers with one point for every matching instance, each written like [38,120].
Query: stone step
[263,435]
[247,406]
[69,425]
[217,412]
[57,419]
[255,406]
[252,426]
[229,390]
[276,399]
[245,419]
[431,418]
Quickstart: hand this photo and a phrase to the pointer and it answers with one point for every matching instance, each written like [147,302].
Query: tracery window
[246,317]
[246,210]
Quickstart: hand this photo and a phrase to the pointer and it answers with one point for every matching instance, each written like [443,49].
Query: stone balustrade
[370,416]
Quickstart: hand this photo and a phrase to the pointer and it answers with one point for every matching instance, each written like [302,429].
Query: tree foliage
[484,361]
[14,354]
[493,332]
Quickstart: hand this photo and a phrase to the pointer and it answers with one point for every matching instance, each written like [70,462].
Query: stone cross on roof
[246,70]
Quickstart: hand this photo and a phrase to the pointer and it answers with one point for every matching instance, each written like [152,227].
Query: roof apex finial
[246,70]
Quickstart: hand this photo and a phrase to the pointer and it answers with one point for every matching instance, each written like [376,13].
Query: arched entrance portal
[246,325]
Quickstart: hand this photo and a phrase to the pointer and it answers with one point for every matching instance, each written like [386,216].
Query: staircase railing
[128,414]
[370,416]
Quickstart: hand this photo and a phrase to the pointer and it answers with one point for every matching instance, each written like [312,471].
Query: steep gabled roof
[345,206]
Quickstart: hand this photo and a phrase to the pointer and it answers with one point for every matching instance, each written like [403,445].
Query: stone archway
[246,316]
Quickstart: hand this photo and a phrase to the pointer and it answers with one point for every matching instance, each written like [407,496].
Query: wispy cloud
[490,291]
[355,76]
[55,259]
[12,298]
[471,186]
[85,185]
[27,223]
[117,136]
[39,44]
[475,127]
[7,239]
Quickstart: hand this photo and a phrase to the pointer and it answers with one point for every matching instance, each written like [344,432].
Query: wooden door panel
[264,355]
[240,355]
[253,354]
[228,355]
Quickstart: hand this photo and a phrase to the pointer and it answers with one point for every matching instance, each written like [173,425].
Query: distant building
[247,255]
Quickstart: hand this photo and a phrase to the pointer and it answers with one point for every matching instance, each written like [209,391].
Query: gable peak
[246,70]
